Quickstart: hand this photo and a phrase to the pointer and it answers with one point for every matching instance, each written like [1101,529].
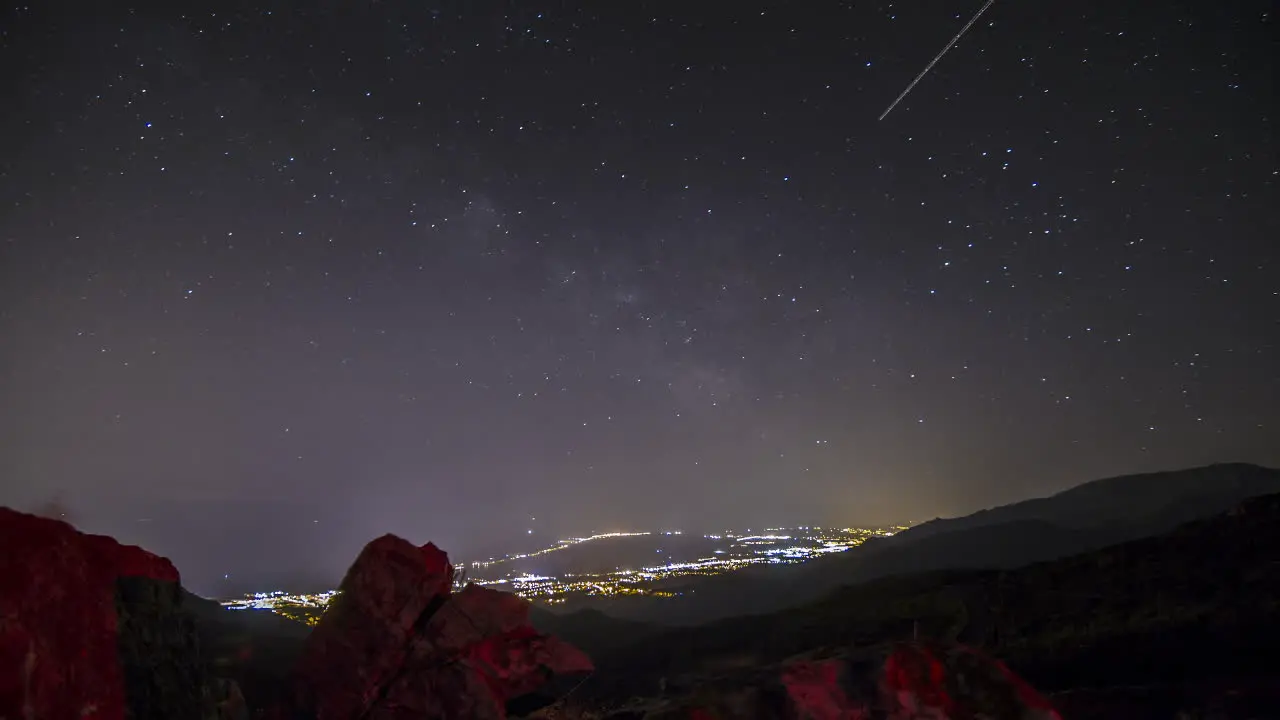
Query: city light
[734,551]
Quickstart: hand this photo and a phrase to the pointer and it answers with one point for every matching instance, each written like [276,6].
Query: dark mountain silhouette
[1134,505]
[590,628]
[1087,517]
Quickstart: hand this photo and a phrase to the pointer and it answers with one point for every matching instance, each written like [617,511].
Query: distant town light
[778,546]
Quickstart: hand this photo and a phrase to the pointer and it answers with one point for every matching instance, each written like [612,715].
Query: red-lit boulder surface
[956,682]
[93,630]
[397,644]
[914,682]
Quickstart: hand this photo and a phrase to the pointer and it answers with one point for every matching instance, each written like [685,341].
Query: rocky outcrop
[92,629]
[921,681]
[912,682]
[398,644]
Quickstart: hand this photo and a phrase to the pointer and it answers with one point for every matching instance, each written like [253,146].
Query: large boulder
[398,644]
[359,646]
[92,629]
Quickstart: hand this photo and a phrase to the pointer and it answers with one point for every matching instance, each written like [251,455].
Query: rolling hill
[1125,505]
[1083,518]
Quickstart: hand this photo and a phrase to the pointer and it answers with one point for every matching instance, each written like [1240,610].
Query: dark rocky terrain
[1174,620]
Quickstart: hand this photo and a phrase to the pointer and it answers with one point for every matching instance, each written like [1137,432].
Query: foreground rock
[92,629]
[397,644]
[912,682]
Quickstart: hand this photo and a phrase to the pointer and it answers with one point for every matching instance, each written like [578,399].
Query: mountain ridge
[1146,628]
[1123,507]
[1079,506]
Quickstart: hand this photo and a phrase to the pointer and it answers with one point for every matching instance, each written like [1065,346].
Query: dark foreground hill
[1185,622]
[1124,507]
[591,628]
[1087,517]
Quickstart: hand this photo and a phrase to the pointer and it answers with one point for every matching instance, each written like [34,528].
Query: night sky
[277,278]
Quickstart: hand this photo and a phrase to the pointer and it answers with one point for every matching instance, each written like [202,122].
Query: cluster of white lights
[743,550]
[279,598]
[562,545]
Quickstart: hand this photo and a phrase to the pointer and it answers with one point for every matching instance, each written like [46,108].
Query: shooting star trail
[937,57]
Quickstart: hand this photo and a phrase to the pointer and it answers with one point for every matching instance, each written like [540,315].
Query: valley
[617,564]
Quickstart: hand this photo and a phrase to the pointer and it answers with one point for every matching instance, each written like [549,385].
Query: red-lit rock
[817,691]
[360,645]
[914,682]
[397,644]
[956,683]
[59,616]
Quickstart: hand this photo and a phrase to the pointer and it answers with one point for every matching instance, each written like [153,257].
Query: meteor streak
[937,57]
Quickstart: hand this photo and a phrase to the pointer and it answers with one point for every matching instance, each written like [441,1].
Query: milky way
[278,278]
